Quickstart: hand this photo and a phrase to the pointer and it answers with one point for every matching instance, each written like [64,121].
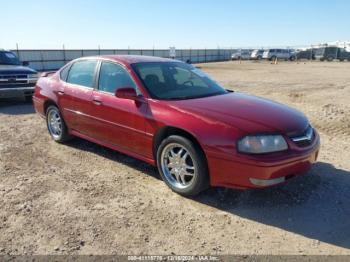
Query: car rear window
[82,73]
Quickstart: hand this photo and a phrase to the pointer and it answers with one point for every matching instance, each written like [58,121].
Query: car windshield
[8,58]
[176,81]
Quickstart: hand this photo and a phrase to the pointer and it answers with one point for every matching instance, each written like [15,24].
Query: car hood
[15,69]
[248,113]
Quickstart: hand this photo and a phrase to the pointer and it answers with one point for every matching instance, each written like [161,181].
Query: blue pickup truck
[16,78]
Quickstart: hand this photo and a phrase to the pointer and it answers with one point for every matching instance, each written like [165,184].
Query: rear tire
[182,166]
[56,126]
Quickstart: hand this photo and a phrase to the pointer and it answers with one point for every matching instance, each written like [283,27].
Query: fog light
[267,182]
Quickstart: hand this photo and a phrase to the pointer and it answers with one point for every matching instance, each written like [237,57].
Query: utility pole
[17,51]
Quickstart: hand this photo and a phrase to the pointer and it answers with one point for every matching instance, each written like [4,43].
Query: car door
[281,53]
[119,122]
[246,54]
[76,94]
[278,53]
[65,101]
[287,53]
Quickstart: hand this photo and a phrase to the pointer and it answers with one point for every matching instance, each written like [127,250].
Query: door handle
[61,93]
[96,102]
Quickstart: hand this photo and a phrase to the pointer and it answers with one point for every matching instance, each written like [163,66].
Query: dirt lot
[81,198]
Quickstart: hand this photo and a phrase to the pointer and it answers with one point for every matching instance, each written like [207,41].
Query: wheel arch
[167,131]
[48,103]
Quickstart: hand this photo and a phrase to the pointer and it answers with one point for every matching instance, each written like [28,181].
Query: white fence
[44,60]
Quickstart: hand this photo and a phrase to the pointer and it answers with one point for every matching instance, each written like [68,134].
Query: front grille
[16,85]
[12,76]
[13,80]
[305,138]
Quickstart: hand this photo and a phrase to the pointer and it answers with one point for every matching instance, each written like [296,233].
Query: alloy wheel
[178,166]
[54,123]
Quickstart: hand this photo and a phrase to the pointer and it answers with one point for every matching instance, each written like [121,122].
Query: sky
[47,24]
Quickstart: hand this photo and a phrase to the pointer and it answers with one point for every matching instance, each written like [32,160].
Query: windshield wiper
[195,97]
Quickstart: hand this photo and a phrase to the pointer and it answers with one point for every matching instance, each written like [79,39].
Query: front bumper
[247,173]
[16,92]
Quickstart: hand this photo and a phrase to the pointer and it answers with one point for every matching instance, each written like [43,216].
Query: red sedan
[172,115]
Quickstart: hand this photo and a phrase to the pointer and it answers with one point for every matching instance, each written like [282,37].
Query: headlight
[262,144]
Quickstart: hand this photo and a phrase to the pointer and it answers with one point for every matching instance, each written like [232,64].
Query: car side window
[82,73]
[113,77]
[64,73]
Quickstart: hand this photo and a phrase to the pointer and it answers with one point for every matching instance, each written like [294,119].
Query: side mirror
[126,93]
[25,63]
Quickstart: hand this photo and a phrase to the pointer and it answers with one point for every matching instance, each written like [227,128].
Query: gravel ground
[81,198]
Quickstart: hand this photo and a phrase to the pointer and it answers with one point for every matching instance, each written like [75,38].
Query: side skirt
[113,147]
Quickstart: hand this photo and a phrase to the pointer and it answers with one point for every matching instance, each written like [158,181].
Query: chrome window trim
[94,76]
[138,91]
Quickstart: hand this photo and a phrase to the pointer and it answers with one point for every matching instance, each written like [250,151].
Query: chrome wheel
[178,166]
[54,123]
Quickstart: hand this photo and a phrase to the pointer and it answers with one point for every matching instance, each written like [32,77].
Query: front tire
[56,125]
[182,166]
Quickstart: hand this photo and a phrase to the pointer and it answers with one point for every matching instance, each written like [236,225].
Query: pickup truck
[16,78]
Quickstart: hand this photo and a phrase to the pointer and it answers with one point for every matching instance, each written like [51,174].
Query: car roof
[131,59]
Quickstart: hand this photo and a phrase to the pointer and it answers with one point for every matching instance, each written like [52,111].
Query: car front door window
[113,77]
